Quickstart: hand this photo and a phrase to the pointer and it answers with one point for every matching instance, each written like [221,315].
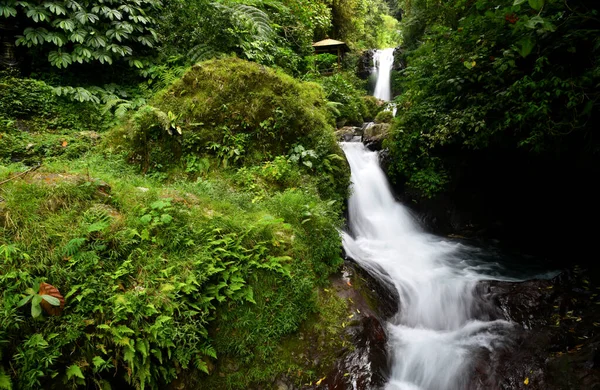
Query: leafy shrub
[372,107]
[499,77]
[346,89]
[83,32]
[385,116]
[35,123]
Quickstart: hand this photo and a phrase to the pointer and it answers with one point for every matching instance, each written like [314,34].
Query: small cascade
[439,329]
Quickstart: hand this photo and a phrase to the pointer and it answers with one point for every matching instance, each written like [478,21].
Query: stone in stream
[556,342]
[347,133]
[364,365]
[374,135]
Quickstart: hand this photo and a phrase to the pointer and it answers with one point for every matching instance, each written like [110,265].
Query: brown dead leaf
[48,289]
[64,144]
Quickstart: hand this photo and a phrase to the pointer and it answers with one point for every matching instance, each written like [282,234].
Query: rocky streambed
[554,343]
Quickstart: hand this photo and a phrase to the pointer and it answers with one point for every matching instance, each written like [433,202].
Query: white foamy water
[383,61]
[435,336]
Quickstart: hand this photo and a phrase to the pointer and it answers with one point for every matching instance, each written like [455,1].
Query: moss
[384,117]
[239,113]
[373,106]
[35,124]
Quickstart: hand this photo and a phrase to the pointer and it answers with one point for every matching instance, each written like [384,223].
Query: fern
[202,52]
[73,246]
[255,20]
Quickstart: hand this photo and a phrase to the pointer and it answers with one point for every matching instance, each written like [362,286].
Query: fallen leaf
[48,289]
[526,381]
[64,144]
[321,380]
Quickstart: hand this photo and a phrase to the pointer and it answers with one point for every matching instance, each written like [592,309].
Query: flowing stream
[436,333]
[441,326]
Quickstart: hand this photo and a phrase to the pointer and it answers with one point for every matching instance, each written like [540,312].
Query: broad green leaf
[536,4]
[24,301]
[60,59]
[51,300]
[7,11]
[74,371]
[55,8]
[526,46]
[56,38]
[36,309]
[78,36]
[98,361]
[38,14]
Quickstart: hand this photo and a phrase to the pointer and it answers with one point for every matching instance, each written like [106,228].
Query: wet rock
[347,133]
[366,366]
[363,364]
[399,60]
[365,64]
[556,340]
[375,134]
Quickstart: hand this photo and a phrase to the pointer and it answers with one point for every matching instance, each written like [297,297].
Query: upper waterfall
[383,61]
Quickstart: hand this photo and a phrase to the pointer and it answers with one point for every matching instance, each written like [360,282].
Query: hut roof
[328,42]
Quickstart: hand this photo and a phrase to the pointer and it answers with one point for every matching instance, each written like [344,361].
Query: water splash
[438,330]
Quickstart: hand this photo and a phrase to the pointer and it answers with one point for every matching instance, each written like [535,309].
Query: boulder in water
[375,134]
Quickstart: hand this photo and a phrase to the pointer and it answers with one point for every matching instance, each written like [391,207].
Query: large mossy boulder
[236,112]
[231,104]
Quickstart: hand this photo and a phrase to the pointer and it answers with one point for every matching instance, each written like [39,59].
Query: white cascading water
[383,61]
[435,336]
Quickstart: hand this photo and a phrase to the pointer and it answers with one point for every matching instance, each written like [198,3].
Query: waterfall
[383,61]
[438,330]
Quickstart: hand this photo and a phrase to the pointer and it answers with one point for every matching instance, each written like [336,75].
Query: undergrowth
[171,273]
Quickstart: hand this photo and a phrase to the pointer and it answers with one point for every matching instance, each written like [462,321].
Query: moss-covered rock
[237,112]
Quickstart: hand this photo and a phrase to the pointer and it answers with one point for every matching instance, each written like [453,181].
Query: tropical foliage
[79,32]
[488,74]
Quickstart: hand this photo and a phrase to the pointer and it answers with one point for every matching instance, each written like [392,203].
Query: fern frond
[257,21]
[202,52]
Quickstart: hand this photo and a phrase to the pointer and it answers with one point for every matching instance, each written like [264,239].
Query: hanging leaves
[52,302]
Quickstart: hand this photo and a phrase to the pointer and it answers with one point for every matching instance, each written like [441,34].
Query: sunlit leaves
[57,39]
[64,24]
[85,17]
[38,14]
[96,41]
[55,8]
[32,36]
[74,371]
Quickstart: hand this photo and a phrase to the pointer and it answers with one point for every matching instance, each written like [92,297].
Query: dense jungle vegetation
[171,189]
[497,114]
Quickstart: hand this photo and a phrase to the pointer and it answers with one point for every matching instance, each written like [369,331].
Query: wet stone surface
[556,340]
[363,365]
